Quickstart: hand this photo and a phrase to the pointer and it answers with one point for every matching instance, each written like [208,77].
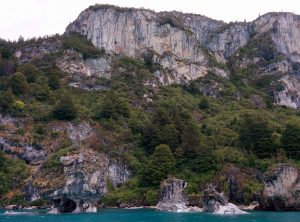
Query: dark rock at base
[233,179]
[216,202]
[195,200]
[173,196]
[12,207]
[282,189]
[85,173]
[30,192]
[212,199]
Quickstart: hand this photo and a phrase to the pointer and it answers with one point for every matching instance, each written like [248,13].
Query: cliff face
[81,178]
[133,32]
[285,32]
[281,191]
[173,196]
[85,174]
[189,46]
[130,31]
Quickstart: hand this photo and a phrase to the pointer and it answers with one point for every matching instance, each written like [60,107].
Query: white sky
[33,18]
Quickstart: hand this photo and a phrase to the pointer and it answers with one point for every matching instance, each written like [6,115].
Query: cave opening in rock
[67,206]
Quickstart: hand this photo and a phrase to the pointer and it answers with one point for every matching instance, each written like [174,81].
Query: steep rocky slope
[189,46]
[73,181]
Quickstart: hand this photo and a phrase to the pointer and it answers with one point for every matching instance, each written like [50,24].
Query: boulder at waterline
[282,188]
[217,203]
[173,197]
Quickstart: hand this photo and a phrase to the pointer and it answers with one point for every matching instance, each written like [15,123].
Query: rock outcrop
[173,197]
[285,33]
[236,181]
[217,203]
[118,173]
[85,173]
[72,62]
[79,132]
[31,153]
[282,188]
[38,50]
[290,94]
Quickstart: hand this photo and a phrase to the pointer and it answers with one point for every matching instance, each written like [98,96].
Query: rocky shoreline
[280,193]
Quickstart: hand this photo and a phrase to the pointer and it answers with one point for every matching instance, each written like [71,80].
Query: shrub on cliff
[6,101]
[204,104]
[256,136]
[30,71]
[81,45]
[113,107]
[19,84]
[18,108]
[65,109]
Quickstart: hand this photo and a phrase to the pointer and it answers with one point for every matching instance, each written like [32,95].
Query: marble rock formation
[282,189]
[217,203]
[173,197]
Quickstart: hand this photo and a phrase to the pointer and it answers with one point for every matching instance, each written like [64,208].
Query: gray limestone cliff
[80,180]
[133,32]
[282,188]
[86,174]
[189,46]
[32,153]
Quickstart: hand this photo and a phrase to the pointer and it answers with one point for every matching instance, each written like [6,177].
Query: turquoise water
[149,215]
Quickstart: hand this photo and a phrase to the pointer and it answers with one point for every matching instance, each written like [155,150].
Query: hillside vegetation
[157,131]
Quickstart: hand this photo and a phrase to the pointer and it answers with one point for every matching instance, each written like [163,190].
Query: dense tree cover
[113,107]
[290,140]
[30,71]
[19,84]
[256,136]
[173,125]
[161,164]
[7,62]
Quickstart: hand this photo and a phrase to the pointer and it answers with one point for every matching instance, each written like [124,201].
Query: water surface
[150,215]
